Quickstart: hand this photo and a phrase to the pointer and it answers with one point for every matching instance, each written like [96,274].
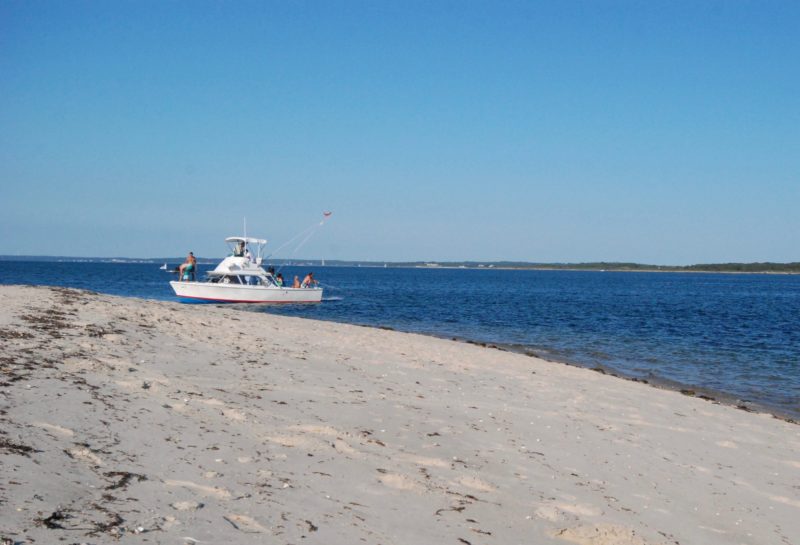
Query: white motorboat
[240,278]
[163,267]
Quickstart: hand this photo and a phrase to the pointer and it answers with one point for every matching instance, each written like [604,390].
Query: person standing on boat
[187,267]
[308,281]
[296,283]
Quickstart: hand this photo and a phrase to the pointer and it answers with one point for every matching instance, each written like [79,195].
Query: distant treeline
[72,259]
[765,267]
[746,267]
[621,266]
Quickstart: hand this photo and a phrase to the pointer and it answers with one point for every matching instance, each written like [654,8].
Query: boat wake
[333,298]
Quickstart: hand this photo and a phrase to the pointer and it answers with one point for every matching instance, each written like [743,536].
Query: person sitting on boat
[187,267]
[239,251]
[309,281]
[296,283]
[249,256]
[279,280]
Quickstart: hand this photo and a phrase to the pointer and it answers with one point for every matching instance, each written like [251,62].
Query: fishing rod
[307,233]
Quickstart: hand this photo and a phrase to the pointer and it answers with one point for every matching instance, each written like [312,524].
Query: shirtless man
[187,266]
[308,281]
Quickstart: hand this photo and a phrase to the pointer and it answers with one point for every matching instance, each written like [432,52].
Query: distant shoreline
[727,268]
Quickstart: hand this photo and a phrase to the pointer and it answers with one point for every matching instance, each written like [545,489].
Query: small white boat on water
[240,278]
[163,267]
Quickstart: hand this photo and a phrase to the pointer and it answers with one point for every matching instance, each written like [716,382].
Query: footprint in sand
[341,446]
[220,493]
[186,505]
[603,534]
[85,455]
[560,511]
[476,484]
[233,414]
[318,430]
[294,441]
[64,432]
[426,461]
[399,482]
[786,501]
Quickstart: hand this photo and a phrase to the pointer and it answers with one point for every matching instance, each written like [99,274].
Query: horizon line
[430,262]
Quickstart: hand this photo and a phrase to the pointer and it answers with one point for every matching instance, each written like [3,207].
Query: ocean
[736,336]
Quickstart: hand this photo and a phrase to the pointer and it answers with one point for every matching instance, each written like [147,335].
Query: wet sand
[149,422]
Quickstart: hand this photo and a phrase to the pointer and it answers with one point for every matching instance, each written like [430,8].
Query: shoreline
[140,421]
[690,390]
[705,393]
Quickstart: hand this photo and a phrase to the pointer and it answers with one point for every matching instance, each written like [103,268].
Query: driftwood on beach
[151,422]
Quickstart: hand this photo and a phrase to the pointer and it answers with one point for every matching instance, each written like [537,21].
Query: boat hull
[207,292]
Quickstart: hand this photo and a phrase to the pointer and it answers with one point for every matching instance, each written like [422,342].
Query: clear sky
[649,131]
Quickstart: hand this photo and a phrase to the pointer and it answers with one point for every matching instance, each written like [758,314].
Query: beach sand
[130,421]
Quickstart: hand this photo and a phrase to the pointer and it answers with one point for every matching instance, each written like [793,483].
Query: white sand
[145,422]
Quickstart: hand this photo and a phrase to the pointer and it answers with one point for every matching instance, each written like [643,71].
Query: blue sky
[658,132]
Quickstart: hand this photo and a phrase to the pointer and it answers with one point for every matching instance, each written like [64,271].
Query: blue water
[735,334]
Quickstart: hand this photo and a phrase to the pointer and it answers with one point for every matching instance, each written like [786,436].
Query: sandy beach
[136,421]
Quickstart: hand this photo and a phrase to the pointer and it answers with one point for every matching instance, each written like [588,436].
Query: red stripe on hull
[216,300]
